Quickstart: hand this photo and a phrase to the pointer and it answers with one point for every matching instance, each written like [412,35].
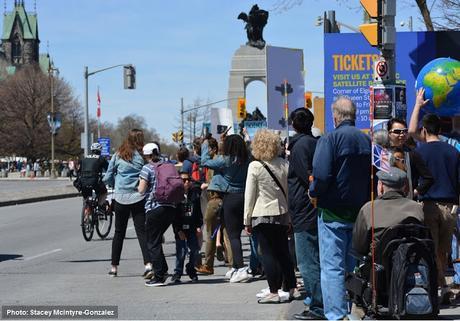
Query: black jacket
[188,216]
[303,214]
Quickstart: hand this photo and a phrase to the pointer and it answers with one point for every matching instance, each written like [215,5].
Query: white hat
[149,148]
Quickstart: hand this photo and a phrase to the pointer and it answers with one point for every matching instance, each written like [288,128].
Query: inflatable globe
[441,80]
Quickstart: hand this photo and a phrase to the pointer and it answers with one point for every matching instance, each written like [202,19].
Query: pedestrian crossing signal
[308,100]
[241,108]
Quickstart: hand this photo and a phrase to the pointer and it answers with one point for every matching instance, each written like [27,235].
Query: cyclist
[90,173]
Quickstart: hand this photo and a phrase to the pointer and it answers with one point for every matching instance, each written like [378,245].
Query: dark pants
[157,222]
[307,252]
[276,260]
[122,213]
[191,243]
[233,205]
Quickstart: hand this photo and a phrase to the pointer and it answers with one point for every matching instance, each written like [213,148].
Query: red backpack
[169,187]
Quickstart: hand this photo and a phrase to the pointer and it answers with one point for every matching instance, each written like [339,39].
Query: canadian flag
[98,104]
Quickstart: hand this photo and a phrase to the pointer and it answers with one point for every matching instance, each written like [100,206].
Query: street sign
[54,121]
[105,142]
[381,68]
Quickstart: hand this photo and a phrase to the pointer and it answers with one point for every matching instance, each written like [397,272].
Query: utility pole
[182,114]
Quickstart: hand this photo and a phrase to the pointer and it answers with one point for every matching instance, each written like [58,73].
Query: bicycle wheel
[104,223]
[87,226]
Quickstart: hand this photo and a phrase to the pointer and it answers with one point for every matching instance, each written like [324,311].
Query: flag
[98,104]
[381,158]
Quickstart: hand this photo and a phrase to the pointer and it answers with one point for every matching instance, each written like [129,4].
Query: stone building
[20,41]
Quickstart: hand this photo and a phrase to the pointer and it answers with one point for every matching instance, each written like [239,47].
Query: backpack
[198,173]
[413,282]
[169,187]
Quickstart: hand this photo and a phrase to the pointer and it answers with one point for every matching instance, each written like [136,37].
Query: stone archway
[248,64]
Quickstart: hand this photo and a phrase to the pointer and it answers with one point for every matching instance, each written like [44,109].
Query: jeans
[307,251]
[122,213]
[254,262]
[181,251]
[455,253]
[335,261]
[157,222]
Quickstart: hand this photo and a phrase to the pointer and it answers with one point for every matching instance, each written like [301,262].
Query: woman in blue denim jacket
[232,169]
[123,173]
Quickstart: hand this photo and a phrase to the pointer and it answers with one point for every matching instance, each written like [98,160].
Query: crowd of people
[305,205]
[40,167]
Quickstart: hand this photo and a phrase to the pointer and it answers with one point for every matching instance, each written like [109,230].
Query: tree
[450,12]
[25,100]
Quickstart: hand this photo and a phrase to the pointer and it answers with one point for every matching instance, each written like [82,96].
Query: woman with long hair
[123,173]
[266,213]
[233,167]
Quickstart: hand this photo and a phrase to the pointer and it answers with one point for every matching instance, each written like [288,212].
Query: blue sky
[180,48]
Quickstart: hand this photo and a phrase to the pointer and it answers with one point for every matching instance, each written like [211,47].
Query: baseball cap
[149,148]
[395,177]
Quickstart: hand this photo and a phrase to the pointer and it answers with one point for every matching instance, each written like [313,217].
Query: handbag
[274,177]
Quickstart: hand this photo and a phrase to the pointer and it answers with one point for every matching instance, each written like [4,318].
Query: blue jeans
[334,248]
[307,251]
[181,251]
[455,253]
[254,262]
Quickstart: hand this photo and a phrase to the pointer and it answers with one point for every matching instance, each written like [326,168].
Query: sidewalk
[15,190]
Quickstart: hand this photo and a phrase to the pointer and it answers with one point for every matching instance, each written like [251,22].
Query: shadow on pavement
[7,257]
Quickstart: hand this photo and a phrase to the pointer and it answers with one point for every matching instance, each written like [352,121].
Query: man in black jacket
[303,213]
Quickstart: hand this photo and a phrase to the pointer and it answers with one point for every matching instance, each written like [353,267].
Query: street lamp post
[86,76]
[51,71]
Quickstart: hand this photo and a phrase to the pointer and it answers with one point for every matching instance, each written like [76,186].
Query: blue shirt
[124,176]
[443,161]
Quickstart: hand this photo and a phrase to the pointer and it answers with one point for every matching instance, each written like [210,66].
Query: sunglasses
[399,131]
[186,180]
[402,160]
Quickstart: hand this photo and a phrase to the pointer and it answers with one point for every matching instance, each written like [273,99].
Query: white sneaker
[240,276]
[284,296]
[263,293]
[230,272]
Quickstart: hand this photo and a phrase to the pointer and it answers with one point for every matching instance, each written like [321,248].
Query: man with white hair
[340,187]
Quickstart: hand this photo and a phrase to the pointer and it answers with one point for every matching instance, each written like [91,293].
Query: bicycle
[93,217]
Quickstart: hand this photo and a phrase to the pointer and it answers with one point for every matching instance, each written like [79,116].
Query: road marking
[42,254]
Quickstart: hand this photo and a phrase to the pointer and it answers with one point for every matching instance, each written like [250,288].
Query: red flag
[98,104]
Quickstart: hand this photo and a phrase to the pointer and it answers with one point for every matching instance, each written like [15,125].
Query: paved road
[45,261]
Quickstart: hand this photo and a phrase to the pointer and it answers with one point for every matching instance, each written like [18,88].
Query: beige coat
[262,196]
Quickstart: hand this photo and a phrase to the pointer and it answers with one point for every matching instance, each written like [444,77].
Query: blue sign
[348,66]
[253,126]
[105,142]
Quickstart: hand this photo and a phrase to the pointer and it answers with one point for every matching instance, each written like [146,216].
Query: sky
[180,48]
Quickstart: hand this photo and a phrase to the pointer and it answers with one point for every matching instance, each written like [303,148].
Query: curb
[38,199]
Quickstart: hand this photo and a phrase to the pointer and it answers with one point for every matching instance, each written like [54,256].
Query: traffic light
[381,32]
[308,99]
[174,137]
[241,108]
[180,136]
[129,77]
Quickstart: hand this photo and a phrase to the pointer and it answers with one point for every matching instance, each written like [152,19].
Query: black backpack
[413,287]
